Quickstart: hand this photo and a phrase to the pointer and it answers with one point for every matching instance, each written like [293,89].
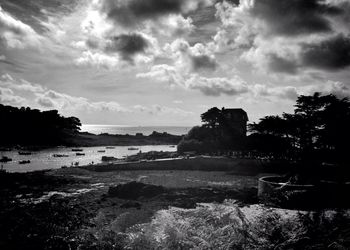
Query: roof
[236,111]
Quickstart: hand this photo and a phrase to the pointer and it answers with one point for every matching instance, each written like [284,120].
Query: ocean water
[44,159]
[118,129]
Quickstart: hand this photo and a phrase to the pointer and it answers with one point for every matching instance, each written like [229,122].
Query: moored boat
[24,162]
[24,153]
[5,159]
[77,149]
[133,148]
[108,158]
[60,155]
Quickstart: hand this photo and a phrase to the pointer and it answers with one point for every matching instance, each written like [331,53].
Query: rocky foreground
[75,208]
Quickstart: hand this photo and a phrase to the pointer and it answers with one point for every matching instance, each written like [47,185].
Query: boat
[110,147]
[24,153]
[77,149]
[5,149]
[60,155]
[24,162]
[5,159]
[79,154]
[133,148]
[108,158]
[101,151]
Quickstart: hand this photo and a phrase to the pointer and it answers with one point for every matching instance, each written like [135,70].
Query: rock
[133,190]
[131,204]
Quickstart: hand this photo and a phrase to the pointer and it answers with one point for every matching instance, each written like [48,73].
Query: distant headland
[26,127]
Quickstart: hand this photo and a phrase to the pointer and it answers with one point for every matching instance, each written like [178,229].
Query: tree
[25,126]
[212,118]
[216,133]
[317,130]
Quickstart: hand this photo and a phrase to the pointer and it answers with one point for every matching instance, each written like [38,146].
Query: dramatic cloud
[195,58]
[215,52]
[203,62]
[21,85]
[34,12]
[339,89]
[117,50]
[12,93]
[163,73]
[287,92]
[89,58]
[209,86]
[286,36]
[217,86]
[283,65]
[162,110]
[295,17]
[330,54]
[131,13]
[8,97]
[16,34]
[53,99]
[127,45]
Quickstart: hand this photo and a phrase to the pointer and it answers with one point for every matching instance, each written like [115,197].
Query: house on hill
[236,119]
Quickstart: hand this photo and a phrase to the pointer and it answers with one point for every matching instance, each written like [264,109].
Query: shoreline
[76,207]
[67,202]
[85,139]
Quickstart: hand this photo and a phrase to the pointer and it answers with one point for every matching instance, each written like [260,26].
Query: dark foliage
[25,126]
[222,130]
[317,130]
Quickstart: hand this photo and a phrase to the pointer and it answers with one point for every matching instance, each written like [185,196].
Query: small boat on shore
[24,153]
[5,149]
[60,155]
[101,151]
[24,162]
[108,158]
[79,154]
[77,149]
[110,147]
[133,148]
[5,159]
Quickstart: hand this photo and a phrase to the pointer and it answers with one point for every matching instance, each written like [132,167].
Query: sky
[164,62]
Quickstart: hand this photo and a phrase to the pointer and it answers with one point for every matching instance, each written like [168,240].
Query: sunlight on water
[44,159]
[132,130]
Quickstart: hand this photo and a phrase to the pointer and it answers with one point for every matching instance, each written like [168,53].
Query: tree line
[25,126]
[217,133]
[318,129]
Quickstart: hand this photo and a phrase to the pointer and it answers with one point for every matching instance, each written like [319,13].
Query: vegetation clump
[222,130]
[317,131]
[25,126]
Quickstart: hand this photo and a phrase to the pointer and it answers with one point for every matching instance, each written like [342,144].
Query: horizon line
[116,125]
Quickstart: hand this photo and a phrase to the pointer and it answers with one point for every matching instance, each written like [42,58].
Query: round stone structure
[275,191]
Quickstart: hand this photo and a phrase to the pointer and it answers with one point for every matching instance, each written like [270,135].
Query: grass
[96,221]
[223,226]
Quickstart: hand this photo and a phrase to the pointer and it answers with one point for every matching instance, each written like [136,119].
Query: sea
[132,130]
[44,159]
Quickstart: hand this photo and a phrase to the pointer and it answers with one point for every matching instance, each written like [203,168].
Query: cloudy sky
[164,62]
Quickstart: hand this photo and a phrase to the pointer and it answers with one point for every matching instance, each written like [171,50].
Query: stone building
[236,119]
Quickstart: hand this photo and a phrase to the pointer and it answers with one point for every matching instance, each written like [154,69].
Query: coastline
[79,208]
[85,139]
[60,207]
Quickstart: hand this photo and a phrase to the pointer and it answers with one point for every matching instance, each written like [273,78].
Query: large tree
[318,128]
